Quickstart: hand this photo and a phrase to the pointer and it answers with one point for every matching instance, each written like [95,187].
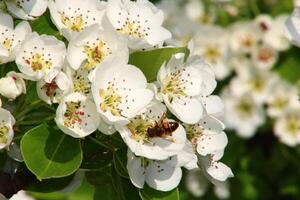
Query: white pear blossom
[244,37]
[7,122]
[21,195]
[182,82]
[10,38]
[54,91]
[213,105]
[26,9]
[276,37]
[140,22]
[119,91]
[207,136]
[264,22]
[80,81]
[161,175]
[93,45]
[41,57]
[198,185]
[195,11]
[264,57]
[256,82]
[222,190]
[12,85]
[243,114]
[177,22]
[144,142]
[73,16]
[211,42]
[284,95]
[287,127]
[213,169]
[77,116]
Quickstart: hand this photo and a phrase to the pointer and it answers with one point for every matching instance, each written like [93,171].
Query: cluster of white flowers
[172,123]
[243,54]
[248,50]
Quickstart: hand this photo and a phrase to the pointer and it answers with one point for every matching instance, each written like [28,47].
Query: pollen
[38,63]
[81,84]
[7,44]
[74,23]
[134,28]
[73,115]
[138,128]
[50,89]
[111,101]
[3,134]
[174,85]
[95,54]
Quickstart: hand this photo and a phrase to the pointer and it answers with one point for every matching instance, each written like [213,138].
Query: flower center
[257,84]
[212,53]
[111,101]
[138,128]
[292,125]
[265,55]
[4,134]
[50,89]
[38,63]
[7,44]
[95,55]
[245,108]
[81,84]
[247,41]
[73,115]
[174,85]
[280,103]
[74,23]
[133,28]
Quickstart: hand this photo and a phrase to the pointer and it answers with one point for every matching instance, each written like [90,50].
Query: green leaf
[94,156]
[49,153]
[105,191]
[289,70]
[50,185]
[120,160]
[43,25]
[103,181]
[150,194]
[84,192]
[151,61]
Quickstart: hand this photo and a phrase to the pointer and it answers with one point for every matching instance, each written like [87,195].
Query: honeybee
[162,128]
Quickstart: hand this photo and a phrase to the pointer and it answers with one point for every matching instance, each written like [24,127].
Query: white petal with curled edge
[136,171]
[220,171]
[188,111]
[163,177]
[208,144]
